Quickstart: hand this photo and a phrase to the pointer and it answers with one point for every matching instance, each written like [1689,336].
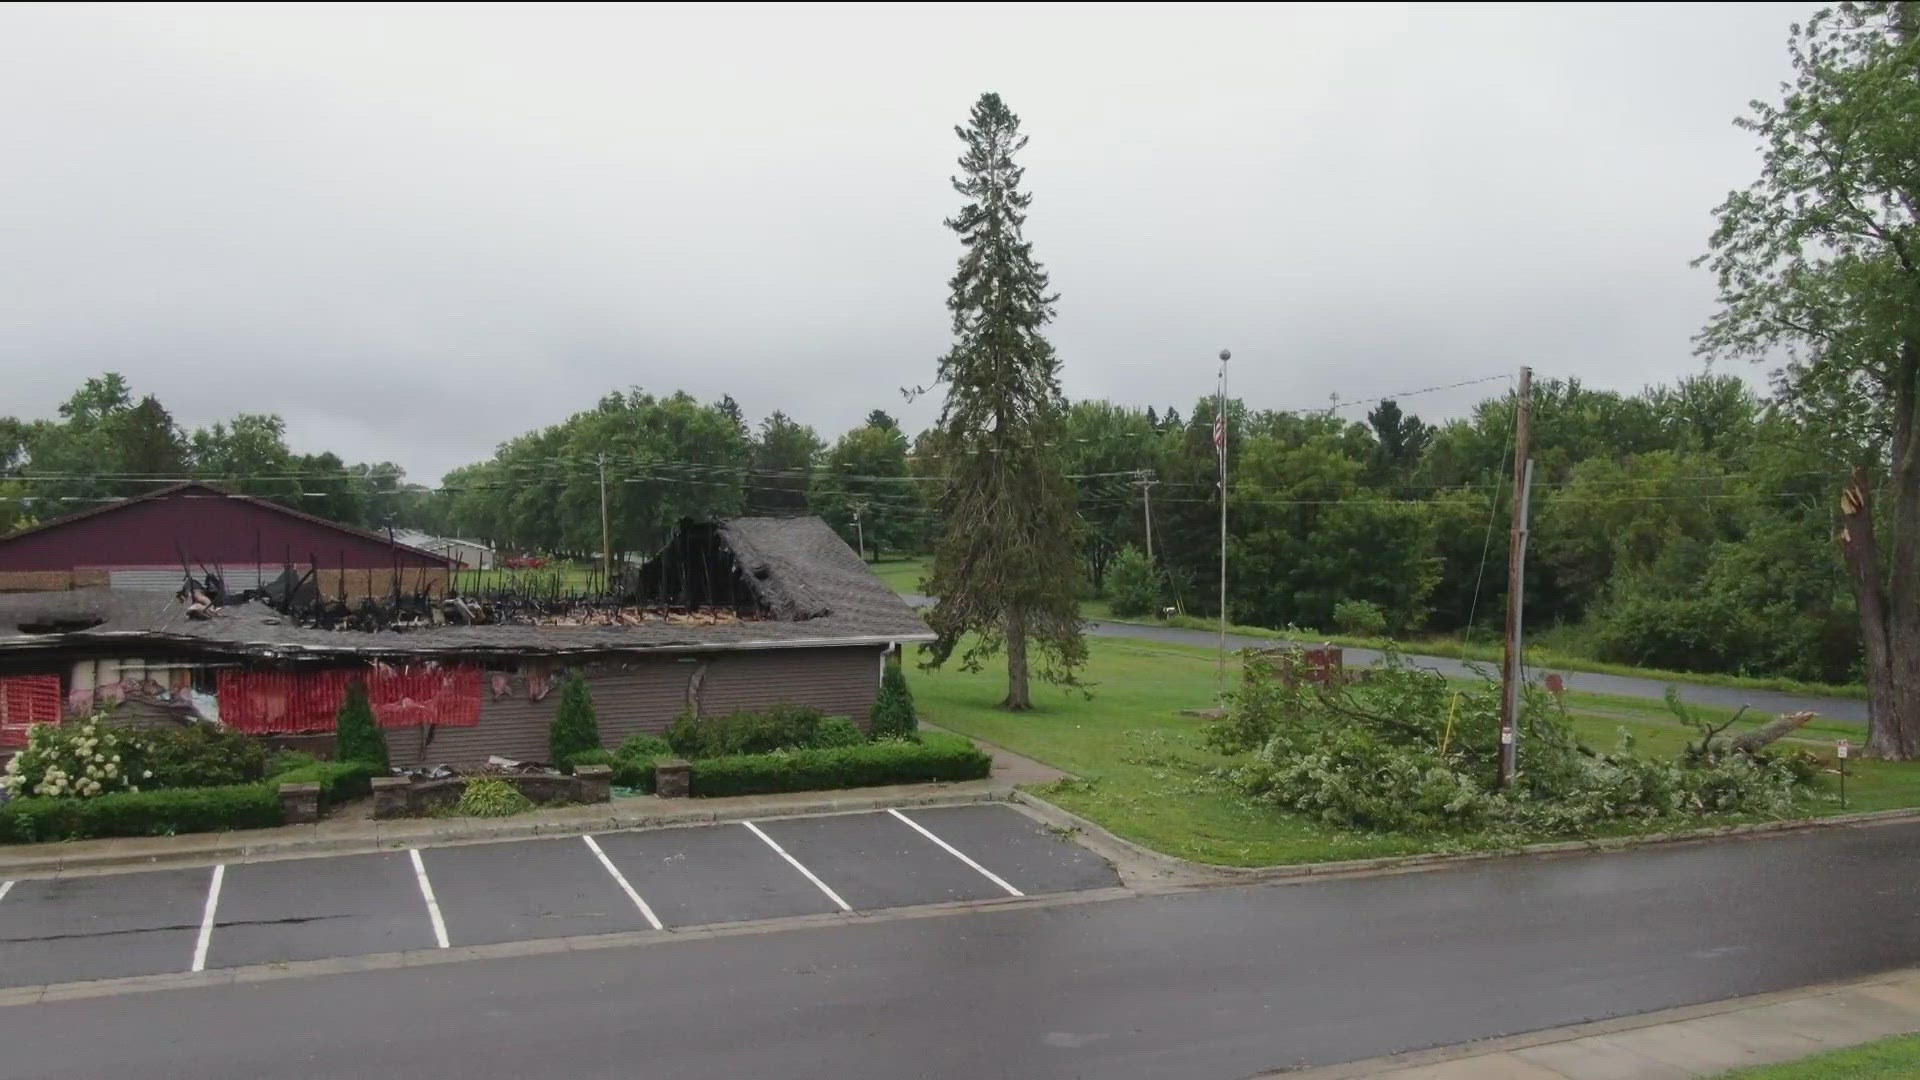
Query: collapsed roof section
[739,583]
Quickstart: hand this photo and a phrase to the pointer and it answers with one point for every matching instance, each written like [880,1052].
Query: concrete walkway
[1699,1040]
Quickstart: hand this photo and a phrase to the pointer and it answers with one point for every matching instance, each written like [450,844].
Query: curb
[406,833]
[1175,868]
[1466,1052]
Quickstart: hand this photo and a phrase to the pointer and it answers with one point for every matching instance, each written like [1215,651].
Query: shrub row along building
[287,610]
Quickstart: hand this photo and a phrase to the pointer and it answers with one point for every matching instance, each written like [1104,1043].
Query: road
[1841,710]
[1221,982]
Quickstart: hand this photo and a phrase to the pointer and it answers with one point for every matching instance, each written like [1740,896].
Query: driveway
[1842,710]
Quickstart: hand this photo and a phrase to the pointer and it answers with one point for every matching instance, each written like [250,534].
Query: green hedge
[938,756]
[142,813]
[636,773]
[338,780]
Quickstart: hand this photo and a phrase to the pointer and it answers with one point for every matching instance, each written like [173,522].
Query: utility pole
[606,545]
[1220,445]
[859,533]
[1146,483]
[1516,579]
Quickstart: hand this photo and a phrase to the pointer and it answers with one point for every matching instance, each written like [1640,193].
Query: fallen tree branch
[1767,733]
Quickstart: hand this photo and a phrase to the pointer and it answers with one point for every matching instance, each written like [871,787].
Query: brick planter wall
[423,796]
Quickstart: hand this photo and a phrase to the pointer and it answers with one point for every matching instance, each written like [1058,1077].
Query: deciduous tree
[1820,257]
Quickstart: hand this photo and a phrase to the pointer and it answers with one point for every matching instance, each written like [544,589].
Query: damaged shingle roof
[817,588]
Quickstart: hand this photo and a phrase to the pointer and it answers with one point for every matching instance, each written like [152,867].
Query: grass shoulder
[906,575]
[1141,769]
[1887,1059]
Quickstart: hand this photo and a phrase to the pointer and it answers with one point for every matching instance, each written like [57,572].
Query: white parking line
[955,852]
[621,880]
[831,895]
[426,890]
[206,918]
[5,887]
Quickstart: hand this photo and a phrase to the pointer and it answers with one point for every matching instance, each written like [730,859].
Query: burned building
[145,542]
[731,615]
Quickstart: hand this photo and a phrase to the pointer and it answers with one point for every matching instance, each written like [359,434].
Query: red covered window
[261,702]
[26,700]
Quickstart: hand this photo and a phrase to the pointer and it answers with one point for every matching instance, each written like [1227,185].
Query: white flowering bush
[76,761]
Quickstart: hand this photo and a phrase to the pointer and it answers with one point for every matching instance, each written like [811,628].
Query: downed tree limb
[1766,733]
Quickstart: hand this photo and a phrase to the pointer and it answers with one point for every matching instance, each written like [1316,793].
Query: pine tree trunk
[1019,697]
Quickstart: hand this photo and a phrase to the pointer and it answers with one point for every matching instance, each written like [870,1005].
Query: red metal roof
[20,551]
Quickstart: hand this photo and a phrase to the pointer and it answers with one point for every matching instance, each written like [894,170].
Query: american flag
[1220,431]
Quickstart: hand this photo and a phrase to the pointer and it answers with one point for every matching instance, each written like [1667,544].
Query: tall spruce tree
[1007,567]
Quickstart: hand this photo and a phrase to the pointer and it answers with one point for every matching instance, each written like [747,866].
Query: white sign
[1842,747]
[1506,737]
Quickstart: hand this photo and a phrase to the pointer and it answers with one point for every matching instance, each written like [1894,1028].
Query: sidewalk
[352,830]
[1697,1040]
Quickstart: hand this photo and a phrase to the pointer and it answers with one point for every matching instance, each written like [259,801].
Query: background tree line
[104,445]
[1688,526]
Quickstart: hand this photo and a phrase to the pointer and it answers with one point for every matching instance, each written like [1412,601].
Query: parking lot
[71,929]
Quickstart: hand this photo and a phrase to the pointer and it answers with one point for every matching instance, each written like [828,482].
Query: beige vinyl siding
[647,694]
[838,682]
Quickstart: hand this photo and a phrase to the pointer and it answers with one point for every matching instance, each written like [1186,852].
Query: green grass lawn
[576,576]
[1143,773]
[1897,1058]
[901,575]
[904,576]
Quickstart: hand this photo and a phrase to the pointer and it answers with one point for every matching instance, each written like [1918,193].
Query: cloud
[416,233]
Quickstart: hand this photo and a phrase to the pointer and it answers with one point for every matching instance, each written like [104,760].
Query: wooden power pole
[1516,578]
[1146,483]
[606,546]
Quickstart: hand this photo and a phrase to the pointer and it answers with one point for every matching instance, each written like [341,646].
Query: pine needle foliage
[357,734]
[1007,569]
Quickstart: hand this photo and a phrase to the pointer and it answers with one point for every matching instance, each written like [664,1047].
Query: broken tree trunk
[1769,732]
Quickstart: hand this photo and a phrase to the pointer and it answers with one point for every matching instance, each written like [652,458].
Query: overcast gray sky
[417,232]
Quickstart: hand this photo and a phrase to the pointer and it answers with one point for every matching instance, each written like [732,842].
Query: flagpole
[1220,444]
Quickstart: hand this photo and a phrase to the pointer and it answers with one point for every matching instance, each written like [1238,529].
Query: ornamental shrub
[633,762]
[339,780]
[490,796]
[893,716]
[937,757]
[140,813]
[781,727]
[85,760]
[838,731]
[202,755]
[357,734]
[574,727]
[644,746]
[595,756]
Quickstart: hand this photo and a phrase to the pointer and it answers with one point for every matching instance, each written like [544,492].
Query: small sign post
[1842,746]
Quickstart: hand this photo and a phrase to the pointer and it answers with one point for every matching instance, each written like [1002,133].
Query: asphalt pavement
[1841,710]
[1221,982]
[71,929]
